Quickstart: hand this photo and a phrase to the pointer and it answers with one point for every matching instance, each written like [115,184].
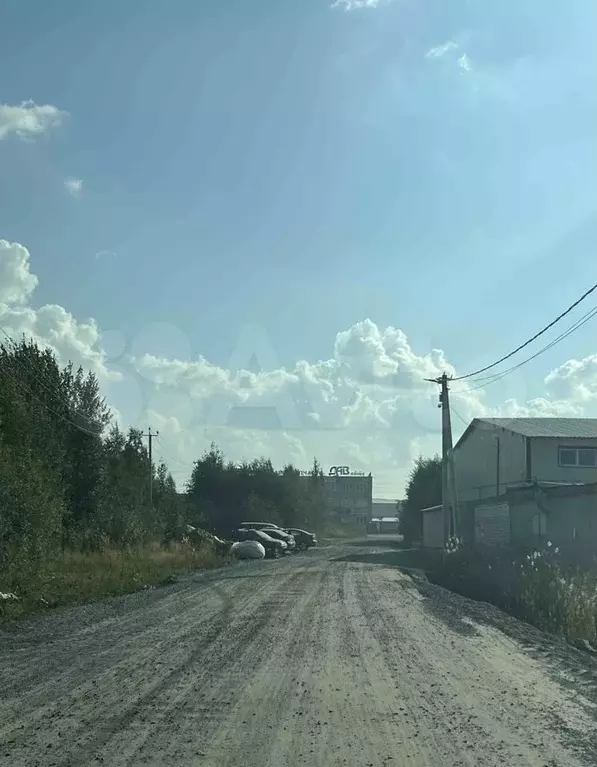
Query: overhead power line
[498,376]
[530,340]
[171,457]
[456,413]
[564,334]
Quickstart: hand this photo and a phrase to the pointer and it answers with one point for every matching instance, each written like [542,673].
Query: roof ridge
[554,427]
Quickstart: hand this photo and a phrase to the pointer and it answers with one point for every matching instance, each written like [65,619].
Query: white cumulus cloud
[367,405]
[575,380]
[465,63]
[51,325]
[16,281]
[453,52]
[74,186]
[28,119]
[440,50]
[355,5]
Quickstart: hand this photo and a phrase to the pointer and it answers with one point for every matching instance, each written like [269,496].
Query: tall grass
[76,578]
[559,598]
[537,586]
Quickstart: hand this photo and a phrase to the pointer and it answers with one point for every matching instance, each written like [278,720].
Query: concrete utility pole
[449,494]
[497,465]
[150,436]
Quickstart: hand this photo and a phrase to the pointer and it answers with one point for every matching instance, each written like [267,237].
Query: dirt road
[333,657]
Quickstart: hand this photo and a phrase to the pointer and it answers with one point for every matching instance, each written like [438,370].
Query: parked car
[258,525]
[304,540]
[273,546]
[281,535]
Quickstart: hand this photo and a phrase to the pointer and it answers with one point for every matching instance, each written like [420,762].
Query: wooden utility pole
[449,494]
[150,436]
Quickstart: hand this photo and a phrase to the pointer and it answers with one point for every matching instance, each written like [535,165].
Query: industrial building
[383,507]
[385,516]
[521,481]
[495,454]
[349,495]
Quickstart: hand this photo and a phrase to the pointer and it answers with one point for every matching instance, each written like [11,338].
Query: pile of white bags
[248,550]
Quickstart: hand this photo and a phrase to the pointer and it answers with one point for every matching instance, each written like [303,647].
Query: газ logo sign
[339,471]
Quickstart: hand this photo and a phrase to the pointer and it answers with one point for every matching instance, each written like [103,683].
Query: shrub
[535,586]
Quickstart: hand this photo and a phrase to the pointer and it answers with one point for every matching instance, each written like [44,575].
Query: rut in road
[204,631]
[313,660]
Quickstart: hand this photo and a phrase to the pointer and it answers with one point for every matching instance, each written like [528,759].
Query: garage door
[492,525]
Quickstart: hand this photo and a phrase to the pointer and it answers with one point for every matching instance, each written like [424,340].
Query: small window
[587,456]
[567,457]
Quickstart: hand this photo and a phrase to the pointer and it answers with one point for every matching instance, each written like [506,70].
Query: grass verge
[76,578]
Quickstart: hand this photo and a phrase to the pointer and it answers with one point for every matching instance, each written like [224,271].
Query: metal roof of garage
[574,428]
[558,428]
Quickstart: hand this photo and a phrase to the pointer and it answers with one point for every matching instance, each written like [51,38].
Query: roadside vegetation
[76,520]
[536,586]
[74,577]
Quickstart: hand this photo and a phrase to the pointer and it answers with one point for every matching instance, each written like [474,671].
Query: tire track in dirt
[98,642]
[185,728]
[324,698]
[316,660]
[139,731]
[91,662]
[479,702]
[131,684]
[276,672]
[87,751]
[49,700]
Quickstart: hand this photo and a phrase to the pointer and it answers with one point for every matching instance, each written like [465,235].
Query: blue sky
[424,164]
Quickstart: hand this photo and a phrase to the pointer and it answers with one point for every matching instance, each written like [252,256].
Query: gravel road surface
[331,657]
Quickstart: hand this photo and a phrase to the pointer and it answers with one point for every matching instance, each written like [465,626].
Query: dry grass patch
[75,578]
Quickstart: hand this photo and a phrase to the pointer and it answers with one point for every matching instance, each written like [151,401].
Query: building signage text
[339,471]
[344,471]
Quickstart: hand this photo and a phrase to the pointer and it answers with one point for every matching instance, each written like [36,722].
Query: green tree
[168,504]
[31,511]
[126,519]
[88,416]
[223,494]
[32,413]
